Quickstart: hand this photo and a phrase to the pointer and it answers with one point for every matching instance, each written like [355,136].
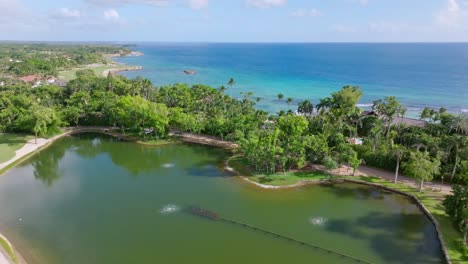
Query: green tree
[422,167]
[280,97]
[354,161]
[305,107]
[387,110]
[398,152]
[459,124]
[43,118]
[455,144]
[330,164]
[456,206]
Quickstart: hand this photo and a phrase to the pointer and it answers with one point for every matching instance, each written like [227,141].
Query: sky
[235,20]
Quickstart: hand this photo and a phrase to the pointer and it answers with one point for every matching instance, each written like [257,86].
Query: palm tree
[398,151]
[280,96]
[459,124]
[222,89]
[231,82]
[305,107]
[289,100]
[456,143]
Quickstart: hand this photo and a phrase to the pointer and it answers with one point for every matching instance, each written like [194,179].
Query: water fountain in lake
[169,209]
[318,221]
[168,165]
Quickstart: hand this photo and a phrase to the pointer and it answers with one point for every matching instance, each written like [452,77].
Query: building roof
[409,122]
[400,120]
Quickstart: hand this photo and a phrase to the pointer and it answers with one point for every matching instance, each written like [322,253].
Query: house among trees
[400,120]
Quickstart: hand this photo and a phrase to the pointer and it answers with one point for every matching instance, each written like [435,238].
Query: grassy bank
[9,143]
[277,179]
[4,244]
[430,199]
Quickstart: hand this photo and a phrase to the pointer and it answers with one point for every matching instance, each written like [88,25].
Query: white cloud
[198,4]
[361,2]
[114,3]
[266,3]
[65,13]
[340,28]
[386,26]
[111,14]
[453,15]
[306,12]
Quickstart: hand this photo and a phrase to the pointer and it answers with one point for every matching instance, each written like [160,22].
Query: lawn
[290,178]
[9,143]
[71,74]
[277,179]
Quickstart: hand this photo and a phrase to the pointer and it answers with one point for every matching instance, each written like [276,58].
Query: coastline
[123,69]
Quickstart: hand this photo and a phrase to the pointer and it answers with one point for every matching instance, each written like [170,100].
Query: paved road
[3,260]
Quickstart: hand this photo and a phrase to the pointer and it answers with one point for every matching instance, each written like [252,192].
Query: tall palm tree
[231,82]
[222,89]
[455,144]
[398,151]
[459,124]
[280,97]
[289,100]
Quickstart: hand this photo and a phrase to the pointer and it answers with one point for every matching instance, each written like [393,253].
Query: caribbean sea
[418,74]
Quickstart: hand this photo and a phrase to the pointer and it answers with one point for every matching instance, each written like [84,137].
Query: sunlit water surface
[92,199]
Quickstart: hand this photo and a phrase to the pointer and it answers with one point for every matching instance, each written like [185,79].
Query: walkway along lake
[91,199]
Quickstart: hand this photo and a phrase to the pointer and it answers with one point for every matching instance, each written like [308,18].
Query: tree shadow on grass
[356,191]
[264,179]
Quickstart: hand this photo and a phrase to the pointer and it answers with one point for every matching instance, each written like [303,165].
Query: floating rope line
[216,217]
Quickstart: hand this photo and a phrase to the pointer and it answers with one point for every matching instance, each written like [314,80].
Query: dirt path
[205,140]
[369,171]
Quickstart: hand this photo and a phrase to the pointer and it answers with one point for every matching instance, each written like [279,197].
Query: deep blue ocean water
[419,75]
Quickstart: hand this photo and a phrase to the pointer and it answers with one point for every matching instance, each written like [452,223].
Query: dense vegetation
[46,60]
[270,143]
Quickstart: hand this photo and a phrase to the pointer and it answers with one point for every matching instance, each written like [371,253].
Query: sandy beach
[122,69]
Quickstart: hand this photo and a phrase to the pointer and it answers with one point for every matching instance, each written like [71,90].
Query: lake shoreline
[24,153]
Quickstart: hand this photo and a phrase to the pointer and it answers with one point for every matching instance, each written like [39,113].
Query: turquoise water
[95,200]
[420,75]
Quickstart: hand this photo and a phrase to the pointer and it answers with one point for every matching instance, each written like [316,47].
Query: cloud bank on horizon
[235,20]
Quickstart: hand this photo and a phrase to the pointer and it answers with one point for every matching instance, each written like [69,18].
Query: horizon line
[232,42]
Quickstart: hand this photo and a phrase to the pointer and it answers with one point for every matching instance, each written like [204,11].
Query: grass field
[9,143]
[98,70]
[277,179]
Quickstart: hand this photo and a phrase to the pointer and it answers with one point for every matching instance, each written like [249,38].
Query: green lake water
[93,199]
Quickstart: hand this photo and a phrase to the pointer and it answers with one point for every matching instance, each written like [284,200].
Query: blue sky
[235,20]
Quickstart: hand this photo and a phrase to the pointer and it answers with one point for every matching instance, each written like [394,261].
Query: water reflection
[46,164]
[399,230]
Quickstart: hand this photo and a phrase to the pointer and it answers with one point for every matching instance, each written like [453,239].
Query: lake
[91,199]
